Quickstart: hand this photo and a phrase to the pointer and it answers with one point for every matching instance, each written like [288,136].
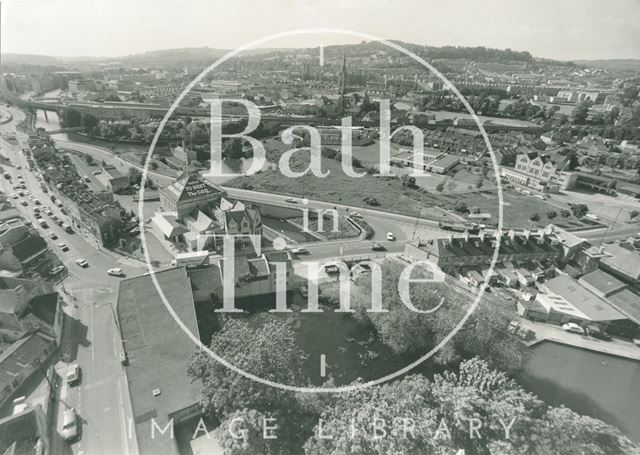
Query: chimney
[466,236]
[450,238]
[512,234]
[526,233]
[481,235]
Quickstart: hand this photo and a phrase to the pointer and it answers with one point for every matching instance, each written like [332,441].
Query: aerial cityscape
[313,239]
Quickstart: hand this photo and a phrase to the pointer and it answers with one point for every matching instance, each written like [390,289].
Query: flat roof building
[157,351]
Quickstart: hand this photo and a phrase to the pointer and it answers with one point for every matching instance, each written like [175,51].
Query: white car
[291,200]
[73,374]
[63,246]
[82,263]
[115,272]
[69,424]
[300,251]
[97,172]
[573,328]
[14,196]
[390,236]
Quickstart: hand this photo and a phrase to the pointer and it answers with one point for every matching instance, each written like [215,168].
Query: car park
[573,328]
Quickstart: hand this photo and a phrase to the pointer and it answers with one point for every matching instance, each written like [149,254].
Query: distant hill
[612,64]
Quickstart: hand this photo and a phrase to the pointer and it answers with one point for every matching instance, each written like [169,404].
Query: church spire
[343,76]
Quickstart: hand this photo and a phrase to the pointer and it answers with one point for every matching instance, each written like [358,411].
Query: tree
[461,207]
[579,114]
[89,122]
[579,210]
[535,217]
[233,148]
[269,352]
[89,159]
[564,213]
[551,214]
[385,405]
[249,423]
[440,187]
[408,181]
[70,117]
[440,411]
[634,214]
[135,176]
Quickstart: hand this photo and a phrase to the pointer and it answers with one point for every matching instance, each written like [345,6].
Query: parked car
[115,272]
[24,203]
[291,200]
[594,331]
[377,247]
[63,246]
[14,196]
[73,374]
[97,172]
[390,236]
[82,263]
[57,269]
[573,328]
[53,236]
[300,251]
[69,424]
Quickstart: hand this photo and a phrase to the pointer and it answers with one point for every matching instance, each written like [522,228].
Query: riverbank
[551,333]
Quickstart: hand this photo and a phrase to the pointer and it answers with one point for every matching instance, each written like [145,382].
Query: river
[598,385]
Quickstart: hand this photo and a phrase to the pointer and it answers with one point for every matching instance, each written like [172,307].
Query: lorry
[194,259]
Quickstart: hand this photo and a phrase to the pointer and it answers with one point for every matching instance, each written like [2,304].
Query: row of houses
[562,278]
[95,212]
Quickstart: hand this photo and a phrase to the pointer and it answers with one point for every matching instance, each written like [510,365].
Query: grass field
[388,193]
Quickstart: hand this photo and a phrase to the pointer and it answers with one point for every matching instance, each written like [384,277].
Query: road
[91,337]
[404,227]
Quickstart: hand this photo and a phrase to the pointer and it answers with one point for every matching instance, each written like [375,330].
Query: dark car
[378,247]
[596,332]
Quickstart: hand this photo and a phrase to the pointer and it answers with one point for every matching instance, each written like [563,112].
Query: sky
[558,29]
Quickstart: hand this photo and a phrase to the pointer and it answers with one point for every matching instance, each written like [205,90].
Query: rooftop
[587,303]
[604,283]
[622,260]
[157,349]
